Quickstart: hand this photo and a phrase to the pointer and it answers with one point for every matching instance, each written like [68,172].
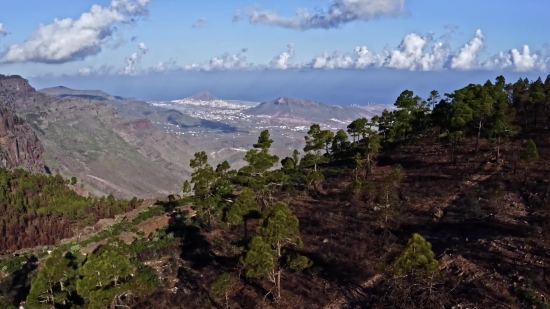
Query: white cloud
[465,59]
[413,53]
[68,39]
[338,13]
[223,62]
[3,31]
[410,54]
[85,71]
[365,58]
[200,23]
[143,48]
[520,62]
[133,61]
[282,61]
[89,70]
[163,66]
[330,61]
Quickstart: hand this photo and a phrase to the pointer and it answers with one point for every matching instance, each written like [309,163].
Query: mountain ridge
[306,109]
[202,96]
[62,91]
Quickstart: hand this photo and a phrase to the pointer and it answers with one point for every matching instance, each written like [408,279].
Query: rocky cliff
[19,145]
[16,92]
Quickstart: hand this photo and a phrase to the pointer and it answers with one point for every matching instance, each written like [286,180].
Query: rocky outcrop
[19,145]
[16,92]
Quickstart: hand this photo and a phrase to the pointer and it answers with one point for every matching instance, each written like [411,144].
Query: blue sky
[374,35]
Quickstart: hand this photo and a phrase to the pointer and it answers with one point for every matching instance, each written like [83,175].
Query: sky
[333,51]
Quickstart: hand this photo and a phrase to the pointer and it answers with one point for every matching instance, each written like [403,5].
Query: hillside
[421,211]
[308,110]
[88,139]
[126,107]
[114,155]
[63,92]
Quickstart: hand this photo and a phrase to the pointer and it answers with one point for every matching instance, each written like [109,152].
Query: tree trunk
[279,283]
[368,166]
[498,148]
[278,270]
[245,229]
[478,135]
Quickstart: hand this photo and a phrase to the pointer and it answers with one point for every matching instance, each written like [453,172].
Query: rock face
[14,90]
[19,145]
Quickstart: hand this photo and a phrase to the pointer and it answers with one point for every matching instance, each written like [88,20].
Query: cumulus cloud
[223,62]
[68,39]
[466,57]
[338,13]
[410,54]
[143,48]
[282,61]
[3,31]
[91,71]
[524,61]
[200,23]
[414,53]
[133,61]
[164,66]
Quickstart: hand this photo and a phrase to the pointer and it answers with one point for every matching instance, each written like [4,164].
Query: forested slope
[40,209]
[441,203]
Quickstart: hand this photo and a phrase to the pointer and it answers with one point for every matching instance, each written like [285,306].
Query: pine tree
[186,188]
[264,141]
[482,107]
[221,287]
[103,274]
[388,196]
[54,282]
[263,256]
[356,127]
[203,175]
[258,174]
[222,186]
[316,140]
[501,123]
[203,179]
[242,209]
[339,142]
[460,117]
[414,280]
[417,257]
[296,157]
[530,153]
[369,146]
[433,99]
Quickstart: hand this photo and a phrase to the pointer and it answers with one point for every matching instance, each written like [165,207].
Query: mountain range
[121,146]
[87,138]
[306,111]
